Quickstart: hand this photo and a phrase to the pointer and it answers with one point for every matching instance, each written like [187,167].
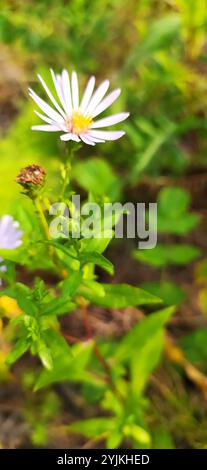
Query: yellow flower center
[78,122]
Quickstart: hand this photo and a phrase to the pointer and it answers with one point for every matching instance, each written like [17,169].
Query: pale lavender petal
[44,118]
[4,222]
[58,86]
[106,102]
[67,91]
[51,96]
[66,137]
[98,95]
[70,136]
[2,269]
[46,128]
[75,91]
[94,139]
[61,126]
[9,233]
[107,135]
[110,120]
[86,139]
[45,107]
[87,93]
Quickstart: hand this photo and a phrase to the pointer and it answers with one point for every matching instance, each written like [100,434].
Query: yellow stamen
[78,122]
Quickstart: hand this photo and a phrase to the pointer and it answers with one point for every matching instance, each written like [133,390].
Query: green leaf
[181,226]
[18,350]
[141,333]
[160,34]
[70,259]
[158,139]
[92,427]
[45,355]
[135,432]
[173,217]
[57,344]
[98,244]
[67,366]
[145,344]
[114,439]
[183,254]
[172,202]
[146,358]
[163,255]
[69,251]
[94,287]
[97,258]
[157,256]
[96,176]
[23,295]
[70,285]
[169,292]
[162,438]
[120,296]
[58,306]
[194,347]
[16,255]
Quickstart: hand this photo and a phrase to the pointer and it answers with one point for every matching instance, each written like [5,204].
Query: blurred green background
[156,51]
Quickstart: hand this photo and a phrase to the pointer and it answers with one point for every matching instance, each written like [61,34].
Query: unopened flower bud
[31,178]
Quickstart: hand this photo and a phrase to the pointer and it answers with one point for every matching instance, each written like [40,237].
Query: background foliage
[155,50]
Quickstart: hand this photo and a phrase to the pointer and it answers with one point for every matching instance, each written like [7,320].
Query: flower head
[10,236]
[32,179]
[76,119]
[31,175]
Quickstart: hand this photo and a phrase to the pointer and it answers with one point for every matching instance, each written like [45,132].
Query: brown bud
[30,176]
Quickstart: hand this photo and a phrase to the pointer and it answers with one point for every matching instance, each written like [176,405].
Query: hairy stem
[66,179]
[42,218]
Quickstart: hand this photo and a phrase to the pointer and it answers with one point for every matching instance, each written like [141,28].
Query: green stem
[44,224]
[66,181]
[70,151]
[42,217]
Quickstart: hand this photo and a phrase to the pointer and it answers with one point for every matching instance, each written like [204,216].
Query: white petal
[70,136]
[106,102]
[61,126]
[94,139]
[51,96]
[107,135]
[44,118]
[67,91]
[110,120]
[87,93]
[66,137]
[75,91]
[58,86]
[45,107]
[46,128]
[86,139]
[98,95]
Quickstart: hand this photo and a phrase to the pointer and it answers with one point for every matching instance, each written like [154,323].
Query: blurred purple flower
[10,236]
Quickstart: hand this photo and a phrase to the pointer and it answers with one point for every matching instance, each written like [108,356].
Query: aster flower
[76,118]
[10,236]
